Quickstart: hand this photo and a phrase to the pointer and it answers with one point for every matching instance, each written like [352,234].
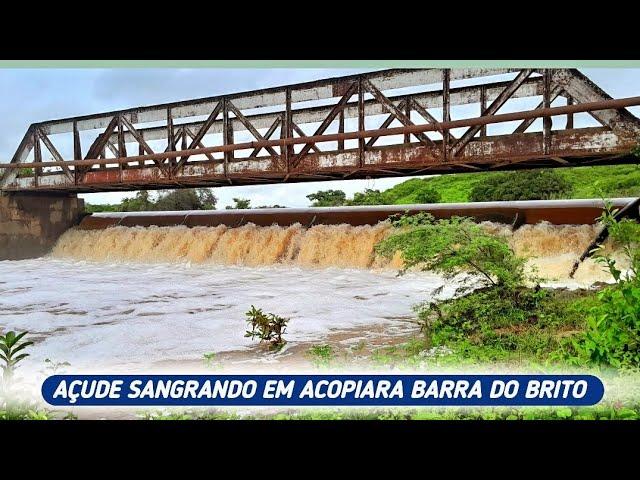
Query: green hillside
[587,182]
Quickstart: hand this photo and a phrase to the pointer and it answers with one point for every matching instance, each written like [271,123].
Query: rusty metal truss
[359,126]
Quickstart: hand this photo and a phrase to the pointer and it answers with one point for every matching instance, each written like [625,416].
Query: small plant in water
[55,367]
[209,358]
[10,346]
[267,327]
[321,354]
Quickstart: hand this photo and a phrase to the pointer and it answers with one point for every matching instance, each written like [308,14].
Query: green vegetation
[10,346]
[411,191]
[577,182]
[586,182]
[612,336]
[598,412]
[450,245]
[505,319]
[209,358]
[267,327]
[240,204]
[25,412]
[502,317]
[12,352]
[521,185]
[321,355]
[328,198]
[185,199]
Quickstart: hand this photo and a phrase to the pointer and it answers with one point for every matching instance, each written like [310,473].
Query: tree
[187,199]
[521,185]
[240,204]
[368,197]
[139,203]
[327,198]
[208,200]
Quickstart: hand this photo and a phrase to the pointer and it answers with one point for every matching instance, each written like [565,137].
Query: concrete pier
[30,224]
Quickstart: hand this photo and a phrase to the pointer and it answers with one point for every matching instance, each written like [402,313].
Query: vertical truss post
[546,103]
[37,157]
[341,130]
[446,111]
[77,147]
[171,144]
[77,150]
[183,138]
[407,112]
[569,115]
[227,133]
[288,129]
[122,147]
[361,125]
[483,107]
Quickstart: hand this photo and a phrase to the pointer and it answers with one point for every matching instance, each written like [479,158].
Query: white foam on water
[110,314]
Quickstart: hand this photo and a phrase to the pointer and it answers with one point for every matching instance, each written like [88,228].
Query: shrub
[427,195]
[267,327]
[521,185]
[451,245]
[613,325]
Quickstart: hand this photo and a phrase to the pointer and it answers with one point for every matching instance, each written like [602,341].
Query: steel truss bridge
[386,123]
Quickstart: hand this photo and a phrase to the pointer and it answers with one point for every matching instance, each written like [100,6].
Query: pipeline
[516,213]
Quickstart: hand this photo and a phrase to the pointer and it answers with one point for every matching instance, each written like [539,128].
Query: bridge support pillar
[30,224]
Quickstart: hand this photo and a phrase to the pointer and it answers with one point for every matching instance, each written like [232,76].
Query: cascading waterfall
[551,249]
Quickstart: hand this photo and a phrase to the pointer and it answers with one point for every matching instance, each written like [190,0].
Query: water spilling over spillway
[552,249]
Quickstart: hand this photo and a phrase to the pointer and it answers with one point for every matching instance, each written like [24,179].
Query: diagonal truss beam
[267,136]
[113,149]
[54,151]
[492,109]
[249,126]
[387,121]
[143,144]
[394,110]
[327,121]
[425,114]
[98,146]
[301,134]
[556,91]
[199,135]
[583,90]
[192,136]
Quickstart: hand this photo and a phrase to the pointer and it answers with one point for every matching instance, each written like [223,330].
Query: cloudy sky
[33,95]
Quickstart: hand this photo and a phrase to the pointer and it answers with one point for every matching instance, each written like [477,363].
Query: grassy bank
[599,412]
[587,182]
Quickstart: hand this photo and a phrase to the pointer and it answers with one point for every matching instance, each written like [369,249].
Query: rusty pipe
[557,212]
[440,126]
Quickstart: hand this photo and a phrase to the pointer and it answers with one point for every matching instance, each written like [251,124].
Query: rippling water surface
[105,314]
